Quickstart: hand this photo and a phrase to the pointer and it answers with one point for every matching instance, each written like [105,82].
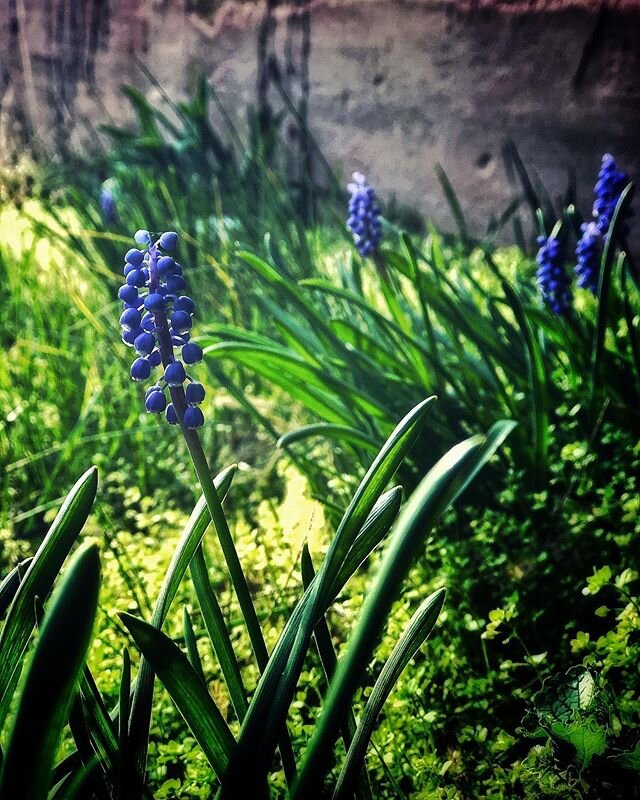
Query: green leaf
[184,552]
[538,387]
[442,485]
[51,679]
[604,285]
[9,585]
[186,690]
[413,637]
[454,203]
[191,644]
[587,737]
[125,776]
[269,705]
[38,580]
[329,431]
[218,633]
[329,661]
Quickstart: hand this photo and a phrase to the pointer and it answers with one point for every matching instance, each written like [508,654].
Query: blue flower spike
[553,280]
[588,254]
[364,216]
[156,321]
[609,186]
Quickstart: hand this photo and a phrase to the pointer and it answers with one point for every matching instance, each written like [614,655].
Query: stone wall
[392,86]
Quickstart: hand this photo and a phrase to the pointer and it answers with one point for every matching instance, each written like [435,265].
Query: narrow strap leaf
[270,703]
[39,579]
[192,645]
[329,661]
[218,634]
[413,637]
[51,679]
[142,698]
[442,485]
[186,690]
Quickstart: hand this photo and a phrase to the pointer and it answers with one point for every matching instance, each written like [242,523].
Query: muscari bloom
[156,321]
[609,186]
[364,216]
[588,253]
[552,276]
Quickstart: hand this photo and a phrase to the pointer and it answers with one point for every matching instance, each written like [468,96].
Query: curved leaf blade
[52,677]
[186,690]
[38,581]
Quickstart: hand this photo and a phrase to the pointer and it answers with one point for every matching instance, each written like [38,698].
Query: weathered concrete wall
[394,86]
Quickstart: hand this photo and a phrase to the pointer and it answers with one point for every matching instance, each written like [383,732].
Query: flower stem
[228,547]
[237,577]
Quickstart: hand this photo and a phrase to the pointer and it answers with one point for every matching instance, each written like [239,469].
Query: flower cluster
[552,277]
[588,252]
[156,320]
[609,186]
[364,216]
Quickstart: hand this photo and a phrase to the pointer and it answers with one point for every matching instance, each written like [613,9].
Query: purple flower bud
[172,416]
[155,359]
[193,417]
[128,294]
[168,240]
[142,237]
[194,393]
[136,277]
[144,343]
[154,302]
[134,256]
[174,374]
[156,402]
[180,321]
[184,303]
[140,369]
[192,353]
[166,265]
[130,319]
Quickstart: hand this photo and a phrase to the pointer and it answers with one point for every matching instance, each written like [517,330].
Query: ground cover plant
[285,654]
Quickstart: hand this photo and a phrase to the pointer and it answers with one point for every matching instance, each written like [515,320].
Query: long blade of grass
[191,644]
[443,484]
[329,661]
[328,431]
[604,284]
[9,585]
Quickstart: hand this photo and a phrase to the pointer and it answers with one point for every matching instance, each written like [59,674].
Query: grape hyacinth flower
[364,216]
[609,186]
[588,253]
[552,277]
[155,321]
